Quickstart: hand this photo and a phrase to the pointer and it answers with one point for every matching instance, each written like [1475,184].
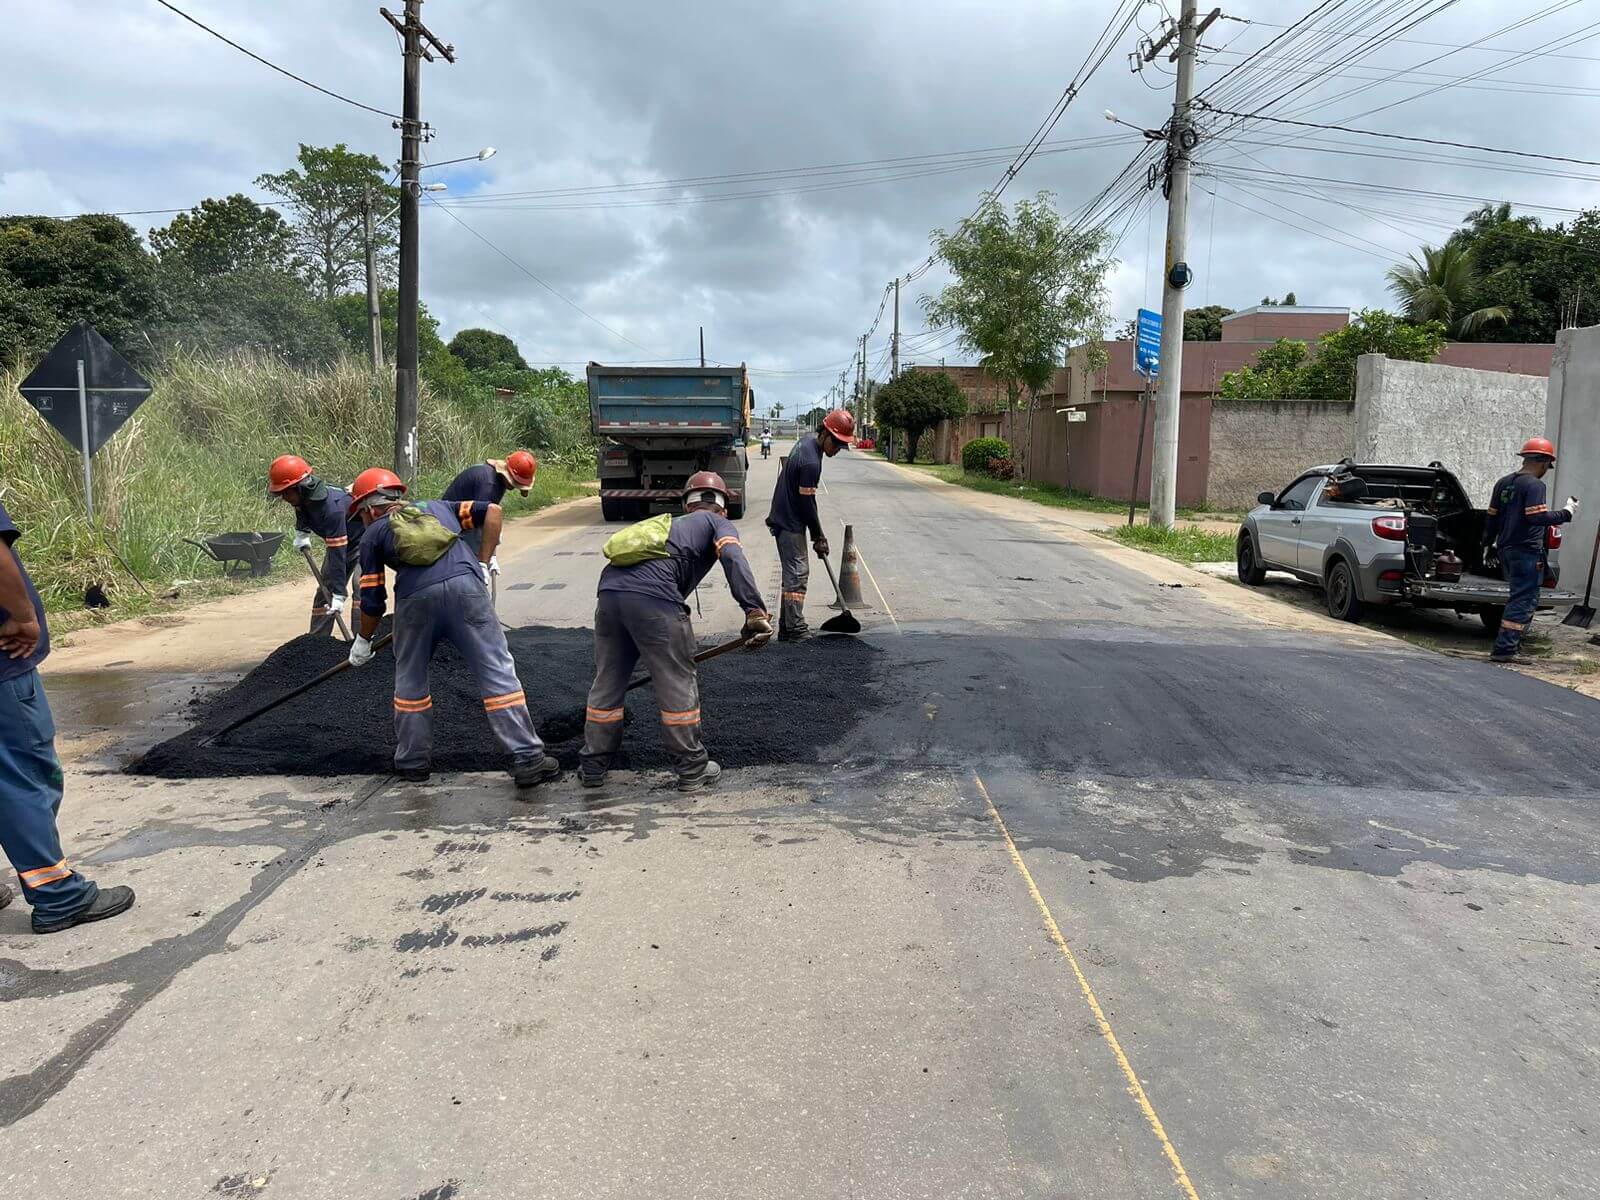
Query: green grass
[193,461]
[1184,543]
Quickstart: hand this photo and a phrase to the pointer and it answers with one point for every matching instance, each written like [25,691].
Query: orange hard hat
[1539,447]
[705,481]
[841,424]
[522,466]
[286,471]
[371,480]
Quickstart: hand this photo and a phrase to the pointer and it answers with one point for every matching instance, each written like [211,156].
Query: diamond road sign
[1147,346]
[112,388]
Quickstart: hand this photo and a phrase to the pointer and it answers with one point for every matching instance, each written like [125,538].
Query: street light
[1154,135]
[486,152]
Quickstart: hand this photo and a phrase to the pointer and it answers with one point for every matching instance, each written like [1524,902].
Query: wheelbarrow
[242,553]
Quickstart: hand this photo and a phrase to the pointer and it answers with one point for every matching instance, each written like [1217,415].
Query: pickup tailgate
[1479,589]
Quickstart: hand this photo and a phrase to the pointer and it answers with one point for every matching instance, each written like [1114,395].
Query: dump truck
[659,425]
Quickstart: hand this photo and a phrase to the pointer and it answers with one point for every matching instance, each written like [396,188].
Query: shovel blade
[1581,616]
[845,622]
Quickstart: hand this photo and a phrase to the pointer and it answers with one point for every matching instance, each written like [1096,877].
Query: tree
[481,349]
[54,273]
[1204,324]
[251,309]
[1274,376]
[1548,277]
[325,195]
[917,401]
[219,236]
[1282,370]
[1024,286]
[1288,299]
[349,315]
[1442,286]
[813,418]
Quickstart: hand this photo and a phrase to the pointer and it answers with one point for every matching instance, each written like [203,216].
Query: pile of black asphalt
[346,725]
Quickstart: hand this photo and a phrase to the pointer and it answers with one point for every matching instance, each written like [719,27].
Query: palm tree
[1440,286]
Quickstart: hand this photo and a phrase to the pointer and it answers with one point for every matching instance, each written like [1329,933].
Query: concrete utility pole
[374,318]
[413,34]
[861,385]
[1176,274]
[894,340]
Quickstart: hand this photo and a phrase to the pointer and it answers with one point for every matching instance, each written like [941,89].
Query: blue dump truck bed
[659,425]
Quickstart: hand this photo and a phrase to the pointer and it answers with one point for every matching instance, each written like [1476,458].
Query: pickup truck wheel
[1344,602]
[1249,562]
[1491,618]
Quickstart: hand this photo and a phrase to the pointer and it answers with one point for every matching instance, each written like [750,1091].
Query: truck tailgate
[1480,589]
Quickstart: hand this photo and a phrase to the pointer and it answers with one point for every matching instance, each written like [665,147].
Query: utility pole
[702,347]
[861,385]
[374,319]
[1181,139]
[413,34]
[894,340]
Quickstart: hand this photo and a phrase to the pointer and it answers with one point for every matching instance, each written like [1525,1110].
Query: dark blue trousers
[30,794]
[1522,569]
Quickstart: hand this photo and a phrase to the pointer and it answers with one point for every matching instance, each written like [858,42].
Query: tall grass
[193,461]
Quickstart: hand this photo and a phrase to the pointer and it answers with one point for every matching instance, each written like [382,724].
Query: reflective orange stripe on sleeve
[335,543]
[724,541]
[687,717]
[413,706]
[464,514]
[372,580]
[603,716]
[509,700]
[808,491]
[1535,509]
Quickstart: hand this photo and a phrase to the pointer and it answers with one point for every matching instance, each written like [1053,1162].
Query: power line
[1436,45]
[316,87]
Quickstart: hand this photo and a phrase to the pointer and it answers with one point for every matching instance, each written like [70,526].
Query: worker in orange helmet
[1514,531]
[489,481]
[794,514]
[323,511]
[441,594]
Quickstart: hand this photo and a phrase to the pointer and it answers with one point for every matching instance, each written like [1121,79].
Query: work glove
[336,603]
[1571,506]
[484,567]
[820,545]
[360,651]
[302,540]
[494,564]
[757,630]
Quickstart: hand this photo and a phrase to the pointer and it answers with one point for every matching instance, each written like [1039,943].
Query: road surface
[1117,888]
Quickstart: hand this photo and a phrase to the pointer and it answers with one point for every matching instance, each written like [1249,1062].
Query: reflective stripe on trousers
[458,611]
[1522,569]
[792,551]
[628,628]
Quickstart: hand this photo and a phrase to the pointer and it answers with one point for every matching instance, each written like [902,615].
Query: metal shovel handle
[322,594]
[336,669]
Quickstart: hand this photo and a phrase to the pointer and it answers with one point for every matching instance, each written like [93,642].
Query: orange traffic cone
[850,570]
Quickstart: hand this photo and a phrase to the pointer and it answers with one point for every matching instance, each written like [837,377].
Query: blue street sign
[1147,346]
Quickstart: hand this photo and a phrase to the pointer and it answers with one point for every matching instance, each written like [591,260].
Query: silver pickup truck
[1413,540]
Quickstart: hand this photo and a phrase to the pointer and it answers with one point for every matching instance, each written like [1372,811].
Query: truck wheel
[735,509]
[613,510]
[1344,602]
[1249,562]
[1491,618]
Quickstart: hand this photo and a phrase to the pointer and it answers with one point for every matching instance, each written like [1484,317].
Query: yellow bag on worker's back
[639,542]
[420,538]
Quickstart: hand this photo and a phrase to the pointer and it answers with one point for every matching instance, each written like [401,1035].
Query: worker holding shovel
[441,594]
[794,514]
[322,511]
[653,567]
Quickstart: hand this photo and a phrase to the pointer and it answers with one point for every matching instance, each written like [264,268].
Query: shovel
[336,669]
[1582,614]
[845,622]
[322,593]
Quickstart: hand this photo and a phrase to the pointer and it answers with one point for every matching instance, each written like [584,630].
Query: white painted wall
[1572,421]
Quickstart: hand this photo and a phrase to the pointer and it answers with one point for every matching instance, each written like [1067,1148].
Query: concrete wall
[1472,421]
[1258,445]
[1572,421]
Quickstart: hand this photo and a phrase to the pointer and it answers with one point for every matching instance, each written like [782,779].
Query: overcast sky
[116,107]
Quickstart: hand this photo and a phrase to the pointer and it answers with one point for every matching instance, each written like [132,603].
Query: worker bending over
[440,594]
[325,512]
[488,481]
[794,514]
[1515,527]
[641,614]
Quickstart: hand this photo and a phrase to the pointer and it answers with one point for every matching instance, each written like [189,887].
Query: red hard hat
[841,424]
[522,466]
[706,481]
[1539,446]
[371,480]
[286,471]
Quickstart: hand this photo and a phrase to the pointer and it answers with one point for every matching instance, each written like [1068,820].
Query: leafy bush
[975,455]
[1001,468]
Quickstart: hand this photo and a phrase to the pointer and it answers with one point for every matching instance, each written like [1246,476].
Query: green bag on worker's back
[420,538]
[639,542]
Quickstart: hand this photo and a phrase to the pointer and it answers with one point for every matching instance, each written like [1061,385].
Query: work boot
[532,774]
[413,774]
[803,634]
[591,777]
[702,778]
[108,902]
[6,895]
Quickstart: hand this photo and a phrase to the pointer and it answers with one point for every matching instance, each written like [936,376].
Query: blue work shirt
[378,552]
[481,482]
[794,500]
[11,668]
[326,513]
[1519,514]
[696,543]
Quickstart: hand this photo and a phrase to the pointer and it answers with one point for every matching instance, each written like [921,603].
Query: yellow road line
[1135,1088]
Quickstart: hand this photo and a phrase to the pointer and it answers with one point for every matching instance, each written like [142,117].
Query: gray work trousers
[792,550]
[457,611]
[628,628]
